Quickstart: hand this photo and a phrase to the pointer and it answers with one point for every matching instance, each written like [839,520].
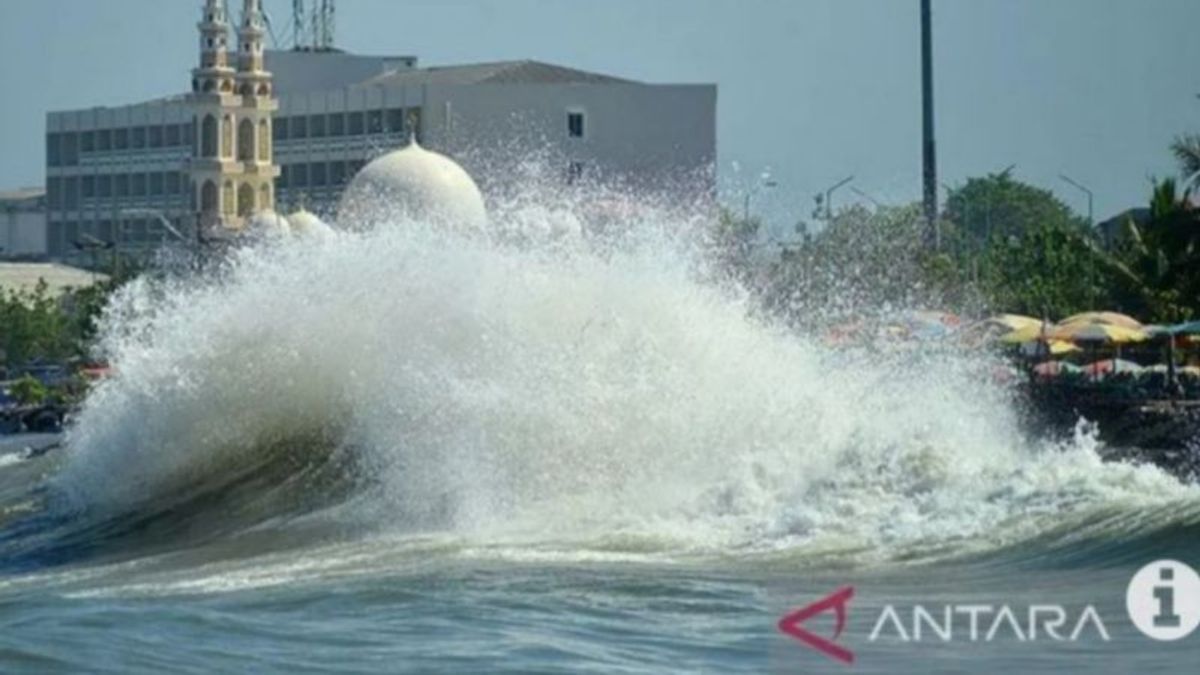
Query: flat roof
[25,276]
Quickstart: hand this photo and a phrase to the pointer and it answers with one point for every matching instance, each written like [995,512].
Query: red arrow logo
[836,601]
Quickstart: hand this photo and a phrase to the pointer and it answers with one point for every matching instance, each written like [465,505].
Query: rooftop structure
[134,175]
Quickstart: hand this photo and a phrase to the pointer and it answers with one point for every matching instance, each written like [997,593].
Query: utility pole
[929,173]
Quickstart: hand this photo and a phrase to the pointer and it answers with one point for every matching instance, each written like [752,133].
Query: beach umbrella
[1028,333]
[1163,369]
[1013,321]
[1108,318]
[1111,366]
[1096,332]
[1055,368]
[1189,328]
[1051,347]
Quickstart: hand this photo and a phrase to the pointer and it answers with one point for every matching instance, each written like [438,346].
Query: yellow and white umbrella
[1107,318]
[1096,332]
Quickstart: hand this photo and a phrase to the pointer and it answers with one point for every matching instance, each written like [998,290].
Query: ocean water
[410,450]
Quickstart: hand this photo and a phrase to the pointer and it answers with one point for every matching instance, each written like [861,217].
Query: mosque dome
[412,184]
[304,223]
[267,223]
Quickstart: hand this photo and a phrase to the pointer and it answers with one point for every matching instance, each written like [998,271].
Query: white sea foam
[551,394]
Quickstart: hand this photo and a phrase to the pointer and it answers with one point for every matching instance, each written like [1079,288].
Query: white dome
[307,224]
[412,184]
[267,223]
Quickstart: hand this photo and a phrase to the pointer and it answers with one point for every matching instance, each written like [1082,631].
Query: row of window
[66,192]
[317,174]
[63,236]
[66,148]
[393,120]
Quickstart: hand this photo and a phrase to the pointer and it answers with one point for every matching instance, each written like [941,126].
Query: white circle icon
[1163,600]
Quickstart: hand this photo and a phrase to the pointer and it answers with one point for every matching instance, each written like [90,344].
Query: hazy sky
[814,90]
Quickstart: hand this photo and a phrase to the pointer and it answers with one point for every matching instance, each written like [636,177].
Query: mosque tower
[232,170]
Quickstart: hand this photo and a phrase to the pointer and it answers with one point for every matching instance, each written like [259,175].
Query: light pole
[1090,221]
[864,195]
[928,147]
[764,181]
[1085,191]
[829,196]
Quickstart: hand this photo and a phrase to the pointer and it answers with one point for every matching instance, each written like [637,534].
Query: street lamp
[864,195]
[1083,189]
[764,181]
[828,196]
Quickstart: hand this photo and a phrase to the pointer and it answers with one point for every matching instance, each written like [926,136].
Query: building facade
[145,173]
[23,223]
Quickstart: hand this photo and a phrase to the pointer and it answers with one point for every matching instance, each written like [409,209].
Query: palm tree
[1158,263]
[1187,152]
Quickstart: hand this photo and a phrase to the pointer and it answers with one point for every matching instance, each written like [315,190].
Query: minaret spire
[213,73]
[232,171]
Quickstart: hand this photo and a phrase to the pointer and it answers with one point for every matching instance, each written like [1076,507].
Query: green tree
[1025,249]
[864,261]
[732,241]
[1156,266]
[1186,149]
[33,325]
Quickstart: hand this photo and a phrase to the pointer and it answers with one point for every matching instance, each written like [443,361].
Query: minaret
[232,170]
[255,111]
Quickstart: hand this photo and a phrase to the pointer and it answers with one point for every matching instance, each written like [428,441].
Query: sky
[810,90]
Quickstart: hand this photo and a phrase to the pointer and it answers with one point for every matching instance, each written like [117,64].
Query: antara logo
[836,601]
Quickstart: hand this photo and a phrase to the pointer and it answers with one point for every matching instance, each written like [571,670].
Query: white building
[23,223]
[115,173]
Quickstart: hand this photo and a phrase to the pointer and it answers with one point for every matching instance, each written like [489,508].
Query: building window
[280,132]
[156,184]
[337,124]
[245,148]
[245,199]
[174,134]
[575,126]
[138,185]
[337,173]
[375,122]
[87,141]
[318,176]
[70,149]
[174,183]
[71,188]
[156,136]
[354,123]
[104,230]
[121,184]
[395,120]
[208,197]
[299,127]
[138,141]
[121,139]
[574,172]
[104,140]
[316,126]
[227,136]
[281,182]
[89,187]
[53,158]
[264,141]
[104,185]
[54,193]
[208,136]
[299,175]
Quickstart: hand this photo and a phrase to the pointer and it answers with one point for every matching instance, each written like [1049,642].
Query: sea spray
[554,391]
